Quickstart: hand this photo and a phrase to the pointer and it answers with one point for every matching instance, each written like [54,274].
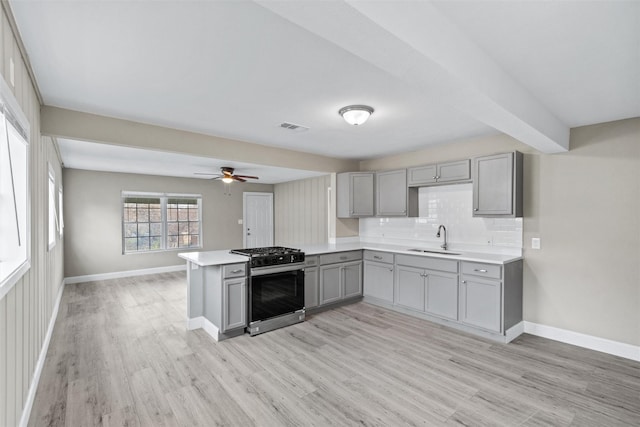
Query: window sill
[192,248]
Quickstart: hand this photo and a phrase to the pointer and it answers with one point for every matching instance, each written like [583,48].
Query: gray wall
[26,310]
[584,206]
[93,218]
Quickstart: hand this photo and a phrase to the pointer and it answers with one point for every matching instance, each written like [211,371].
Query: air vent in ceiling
[293,127]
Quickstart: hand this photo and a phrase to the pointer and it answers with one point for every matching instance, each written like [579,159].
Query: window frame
[164,197]
[52,210]
[11,113]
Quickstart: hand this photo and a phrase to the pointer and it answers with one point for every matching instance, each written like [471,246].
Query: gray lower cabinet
[311,289]
[355,194]
[410,287]
[340,276]
[430,291]
[497,185]
[234,301]
[378,280]
[480,301]
[391,193]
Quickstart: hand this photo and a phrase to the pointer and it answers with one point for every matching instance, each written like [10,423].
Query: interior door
[257,220]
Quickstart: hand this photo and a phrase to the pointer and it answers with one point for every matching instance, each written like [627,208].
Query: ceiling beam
[62,123]
[414,42]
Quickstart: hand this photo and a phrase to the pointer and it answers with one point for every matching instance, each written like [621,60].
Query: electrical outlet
[535,243]
[240,221]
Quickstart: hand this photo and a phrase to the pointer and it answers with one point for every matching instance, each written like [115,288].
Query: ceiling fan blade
[246,176]
[237,178]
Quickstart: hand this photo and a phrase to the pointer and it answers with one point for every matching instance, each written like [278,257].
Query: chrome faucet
[444,245]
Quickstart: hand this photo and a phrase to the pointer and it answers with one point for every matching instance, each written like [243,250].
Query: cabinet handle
[377,257]
[475,210]
[481,270]
[464,281]
[236,271]
[391,269]
[435,177]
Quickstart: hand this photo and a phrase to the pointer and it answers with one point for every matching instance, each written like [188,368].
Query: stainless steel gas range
[276,287]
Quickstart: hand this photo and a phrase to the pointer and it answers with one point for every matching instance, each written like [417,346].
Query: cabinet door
[361,194]
[410,287]
[352,279]
[391,193]
[234,296]
[493,185]
[378,280]
[454,171]
[442,294]
[480,303]
[422,175]
[311,291]
[330,283]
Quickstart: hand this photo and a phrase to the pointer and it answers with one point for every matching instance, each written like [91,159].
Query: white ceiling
[238,69]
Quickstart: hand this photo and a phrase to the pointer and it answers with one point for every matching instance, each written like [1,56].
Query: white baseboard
[615,348]
[514,332]
[121,274]
[26,411]
[204,323]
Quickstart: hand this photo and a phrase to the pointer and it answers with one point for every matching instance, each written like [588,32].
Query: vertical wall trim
[26,412]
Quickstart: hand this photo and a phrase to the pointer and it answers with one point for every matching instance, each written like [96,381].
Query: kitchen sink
[428,251]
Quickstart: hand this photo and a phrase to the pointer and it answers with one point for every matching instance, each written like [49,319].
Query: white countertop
[398,249]
[224,257]
[204,259]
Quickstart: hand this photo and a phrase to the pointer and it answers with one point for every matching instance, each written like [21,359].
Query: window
[53,215]
[61,223]
[14,192]
[154,222]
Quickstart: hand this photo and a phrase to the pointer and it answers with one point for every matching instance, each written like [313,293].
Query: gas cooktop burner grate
[270,250]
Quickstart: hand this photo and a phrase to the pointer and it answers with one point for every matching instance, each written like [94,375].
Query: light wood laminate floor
[120,356]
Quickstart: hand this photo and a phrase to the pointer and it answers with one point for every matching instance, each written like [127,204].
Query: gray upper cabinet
[440,173]
[497,185]
[355,194]
[391,193]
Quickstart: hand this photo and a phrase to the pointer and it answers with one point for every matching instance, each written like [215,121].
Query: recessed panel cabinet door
[391,193]
[497,185]
[442,295]
[480,303]
[378,279]
[410,287]
[362,194]
[311,291]
[330,283]
[234,304]
[352,278]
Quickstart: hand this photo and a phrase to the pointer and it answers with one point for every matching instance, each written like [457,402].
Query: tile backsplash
[450,205]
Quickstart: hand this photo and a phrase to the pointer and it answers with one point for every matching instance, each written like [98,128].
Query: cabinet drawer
[439,264]
[310,261]
[379,256]
[340,257]
[234,270]
[492,271]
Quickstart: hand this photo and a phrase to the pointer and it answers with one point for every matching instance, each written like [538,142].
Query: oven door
[274,291]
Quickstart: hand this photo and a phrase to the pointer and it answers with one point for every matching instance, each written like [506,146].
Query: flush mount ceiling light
[356,114]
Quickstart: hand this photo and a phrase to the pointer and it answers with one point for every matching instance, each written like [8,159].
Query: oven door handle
[273,270]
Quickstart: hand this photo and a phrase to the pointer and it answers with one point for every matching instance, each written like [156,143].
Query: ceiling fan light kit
[228,176]
[356,114]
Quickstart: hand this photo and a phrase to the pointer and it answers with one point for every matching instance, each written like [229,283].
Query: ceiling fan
[227,175]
